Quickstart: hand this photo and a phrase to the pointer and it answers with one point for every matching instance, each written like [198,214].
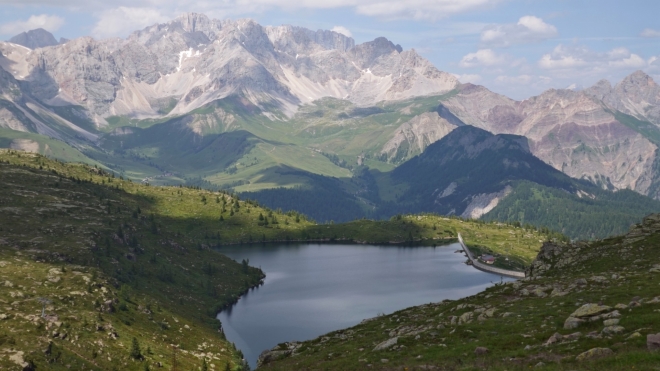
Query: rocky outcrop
[33,39]
[594,353]
[199,59]
[579,133]
[415,135]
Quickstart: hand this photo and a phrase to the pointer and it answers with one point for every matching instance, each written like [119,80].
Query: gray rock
[33,39]
[611,322]
[594,353]
[611,330]
[386,344]
[653,342]
[589,310]
[572,322]
[481,351]
[268,356]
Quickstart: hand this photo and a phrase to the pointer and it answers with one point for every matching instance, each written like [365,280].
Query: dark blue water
[312,289]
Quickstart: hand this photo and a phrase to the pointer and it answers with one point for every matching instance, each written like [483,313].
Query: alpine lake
[311,289]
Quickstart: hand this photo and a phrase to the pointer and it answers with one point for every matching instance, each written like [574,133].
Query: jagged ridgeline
[585,306]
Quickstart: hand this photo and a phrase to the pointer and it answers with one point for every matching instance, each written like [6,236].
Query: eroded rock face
[198,60]
[578,133]
[415,135]
[37,38]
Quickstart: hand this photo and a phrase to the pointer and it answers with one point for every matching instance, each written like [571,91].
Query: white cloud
[50,23]
[390,9]
[123,20]
[523,80]
[529,29]
[342,30]
[649,32]
[581,58]
[418,9]
[468,78]
[482,57]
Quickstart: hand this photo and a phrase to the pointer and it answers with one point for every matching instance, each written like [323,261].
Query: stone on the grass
[480,351]
[589,310]
[386,344]
[611,322]
[609,330]
[572,322]
[653,341]
[594,353]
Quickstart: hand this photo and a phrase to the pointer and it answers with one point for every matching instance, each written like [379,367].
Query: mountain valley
[284,113]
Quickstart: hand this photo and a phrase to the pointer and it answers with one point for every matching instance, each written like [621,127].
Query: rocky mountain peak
[33,39]
[194,22]
[367,53]
[289,38]
[639,78]
[600,89]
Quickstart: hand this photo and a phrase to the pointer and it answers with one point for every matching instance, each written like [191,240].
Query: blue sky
[514,47]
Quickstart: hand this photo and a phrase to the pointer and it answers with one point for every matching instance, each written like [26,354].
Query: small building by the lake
[488,259]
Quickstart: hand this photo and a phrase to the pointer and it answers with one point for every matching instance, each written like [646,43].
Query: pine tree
[204,366]
[136,353]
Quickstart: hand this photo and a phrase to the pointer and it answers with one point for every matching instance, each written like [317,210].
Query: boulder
[466,318]
[589,310]
[610,330]
[268,356]
[653,342]
[613,314]
[481,351]
[611,322]
[386,344]
[594,353]
[557,337]
[572,322]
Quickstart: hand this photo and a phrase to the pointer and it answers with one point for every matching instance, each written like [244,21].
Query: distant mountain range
[234,104]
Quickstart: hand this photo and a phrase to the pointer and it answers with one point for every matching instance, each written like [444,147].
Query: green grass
[46,146]
[149,250]
[523,316]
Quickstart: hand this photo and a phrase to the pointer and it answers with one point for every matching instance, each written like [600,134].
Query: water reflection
[311,289]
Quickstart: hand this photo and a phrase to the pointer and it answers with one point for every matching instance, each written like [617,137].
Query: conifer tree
[136,353]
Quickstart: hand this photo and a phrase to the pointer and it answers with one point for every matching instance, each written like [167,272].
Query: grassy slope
[518,319]
[73,234]
[597,214]
[328,125]
[47,146]
[51,221]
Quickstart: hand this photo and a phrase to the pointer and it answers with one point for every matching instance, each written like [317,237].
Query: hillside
[474,174]
[118,260]
[587,306]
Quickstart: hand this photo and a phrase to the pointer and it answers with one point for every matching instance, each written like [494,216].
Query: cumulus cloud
[523,80]
[342,30]
[418,9]
[649,32]
[390,9]
[529,29]
[123,20]
[468,78]
[482,58]
[50,23]
[578,57]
